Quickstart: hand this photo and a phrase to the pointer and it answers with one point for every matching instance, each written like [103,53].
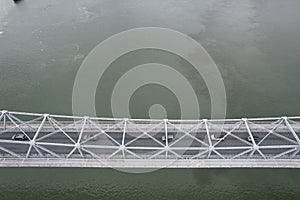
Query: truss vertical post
[210,148]
[4,120]
[32,142]
[122,147]
[207,132]
[77,145]
[166,131]
[255,146]
[166,137]
[124,131]
[1,116]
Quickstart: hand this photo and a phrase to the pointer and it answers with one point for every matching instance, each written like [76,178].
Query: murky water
[254,43]
[235,184]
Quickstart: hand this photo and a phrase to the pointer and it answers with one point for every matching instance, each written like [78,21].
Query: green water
[254,43]
[37,183]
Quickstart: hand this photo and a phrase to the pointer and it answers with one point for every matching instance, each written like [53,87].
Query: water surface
[254,43]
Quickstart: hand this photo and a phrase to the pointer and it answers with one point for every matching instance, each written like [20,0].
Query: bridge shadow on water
[85,184]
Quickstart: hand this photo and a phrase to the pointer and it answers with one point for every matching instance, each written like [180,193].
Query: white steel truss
[31,135]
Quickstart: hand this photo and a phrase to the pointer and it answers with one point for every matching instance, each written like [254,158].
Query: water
[37,183]
[255,45]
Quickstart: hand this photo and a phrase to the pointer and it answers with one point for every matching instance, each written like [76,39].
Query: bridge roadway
[60,139]
[51,141]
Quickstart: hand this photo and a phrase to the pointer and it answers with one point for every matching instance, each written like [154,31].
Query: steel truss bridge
[45,140]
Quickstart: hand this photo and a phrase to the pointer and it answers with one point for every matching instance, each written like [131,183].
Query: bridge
[46,140]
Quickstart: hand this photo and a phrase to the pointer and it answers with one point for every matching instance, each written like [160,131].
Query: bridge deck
[51,140]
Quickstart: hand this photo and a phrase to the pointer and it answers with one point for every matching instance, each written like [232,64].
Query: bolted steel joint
[77,145]
[32,143]
[122,147]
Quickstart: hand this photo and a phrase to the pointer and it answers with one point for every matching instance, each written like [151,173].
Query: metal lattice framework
[70,137]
